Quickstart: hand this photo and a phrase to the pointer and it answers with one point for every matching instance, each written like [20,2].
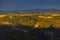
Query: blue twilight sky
[28,4]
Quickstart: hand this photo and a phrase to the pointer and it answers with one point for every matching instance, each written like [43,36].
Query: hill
[32,11]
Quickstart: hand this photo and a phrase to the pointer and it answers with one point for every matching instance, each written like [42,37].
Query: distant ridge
[32,11]
[40,11]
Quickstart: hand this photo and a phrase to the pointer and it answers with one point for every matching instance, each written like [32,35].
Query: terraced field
[36,20]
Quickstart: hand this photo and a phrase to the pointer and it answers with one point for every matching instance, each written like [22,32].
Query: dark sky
[28,4]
